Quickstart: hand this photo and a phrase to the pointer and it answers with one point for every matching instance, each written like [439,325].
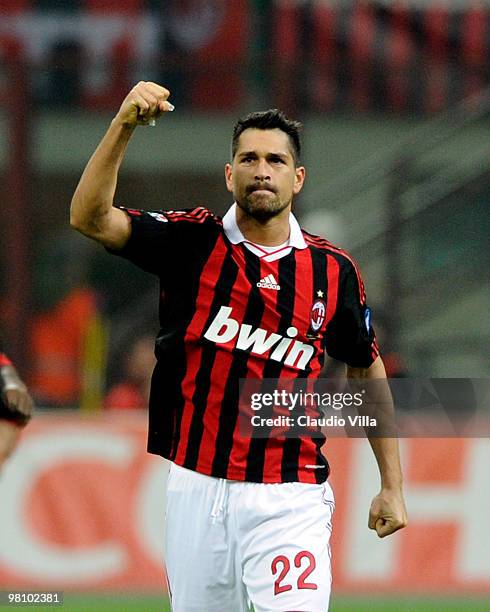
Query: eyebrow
[270,154]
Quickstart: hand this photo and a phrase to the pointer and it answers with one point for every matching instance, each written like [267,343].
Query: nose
[262,171]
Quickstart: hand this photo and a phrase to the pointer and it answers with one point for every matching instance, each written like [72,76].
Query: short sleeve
[350,337]
[157,236]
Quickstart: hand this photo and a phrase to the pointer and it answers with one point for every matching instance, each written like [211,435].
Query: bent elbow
[79,219]
[76,221]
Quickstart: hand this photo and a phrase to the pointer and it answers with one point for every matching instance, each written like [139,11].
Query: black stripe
[292,446]
[272,369]
[177,308]
[320,276]
[230,404]
[320,283]
[222,295]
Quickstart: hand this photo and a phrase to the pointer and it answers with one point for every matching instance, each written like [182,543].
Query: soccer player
[15,407]
[247,296]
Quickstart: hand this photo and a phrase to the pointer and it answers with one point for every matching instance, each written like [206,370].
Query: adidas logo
[268,282]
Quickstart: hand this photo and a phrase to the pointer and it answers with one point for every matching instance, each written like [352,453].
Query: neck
[271,232]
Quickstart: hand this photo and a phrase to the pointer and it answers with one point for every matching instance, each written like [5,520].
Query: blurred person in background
[63,328]
[133,391]
[15,407]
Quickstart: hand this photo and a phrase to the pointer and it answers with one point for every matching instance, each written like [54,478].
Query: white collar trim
[235,236]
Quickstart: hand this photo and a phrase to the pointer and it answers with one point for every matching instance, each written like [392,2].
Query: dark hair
[269,120]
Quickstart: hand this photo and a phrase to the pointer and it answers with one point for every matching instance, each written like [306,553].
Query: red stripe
[270,296]
[302,310]
[209,279]
[308,450]
[301,320]
[4,360]
[303,302]
[270,319]
[222,365]
[256,364]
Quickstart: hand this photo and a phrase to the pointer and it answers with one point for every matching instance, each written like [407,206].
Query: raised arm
[92,212]
[387,513]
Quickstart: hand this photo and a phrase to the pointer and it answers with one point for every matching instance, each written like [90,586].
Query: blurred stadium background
[395,98]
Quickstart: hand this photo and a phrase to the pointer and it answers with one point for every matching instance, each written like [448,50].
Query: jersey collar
[235,236]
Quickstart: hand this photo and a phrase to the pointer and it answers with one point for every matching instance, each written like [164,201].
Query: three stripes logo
[268,282]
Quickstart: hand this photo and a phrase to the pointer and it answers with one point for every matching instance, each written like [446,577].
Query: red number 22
[286,566]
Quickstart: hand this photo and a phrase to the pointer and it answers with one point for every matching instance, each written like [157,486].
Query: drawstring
[219,501]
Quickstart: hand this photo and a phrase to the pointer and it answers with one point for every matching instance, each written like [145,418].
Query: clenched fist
[387,513]
[146,101]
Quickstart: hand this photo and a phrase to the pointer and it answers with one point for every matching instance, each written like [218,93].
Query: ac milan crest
[317,314]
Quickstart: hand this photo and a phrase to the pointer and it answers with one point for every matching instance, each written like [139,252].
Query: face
[263,176]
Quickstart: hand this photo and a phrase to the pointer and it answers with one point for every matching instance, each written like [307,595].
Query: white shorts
[231,544]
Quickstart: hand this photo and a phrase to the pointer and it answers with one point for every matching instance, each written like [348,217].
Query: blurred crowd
[308,56]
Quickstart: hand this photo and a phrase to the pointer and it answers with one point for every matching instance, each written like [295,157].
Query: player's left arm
[387,513]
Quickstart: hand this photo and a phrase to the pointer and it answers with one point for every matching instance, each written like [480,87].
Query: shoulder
[349,267]
[326,247]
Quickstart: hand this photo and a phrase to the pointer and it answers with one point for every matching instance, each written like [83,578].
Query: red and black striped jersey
[227,315]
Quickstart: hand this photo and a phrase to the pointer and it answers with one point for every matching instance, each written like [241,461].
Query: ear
[229,178]
[299,179]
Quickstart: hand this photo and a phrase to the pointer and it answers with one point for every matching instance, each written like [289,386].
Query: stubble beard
[262,207]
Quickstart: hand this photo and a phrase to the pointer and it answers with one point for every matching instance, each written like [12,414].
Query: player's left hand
[388,513]
[18,401]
